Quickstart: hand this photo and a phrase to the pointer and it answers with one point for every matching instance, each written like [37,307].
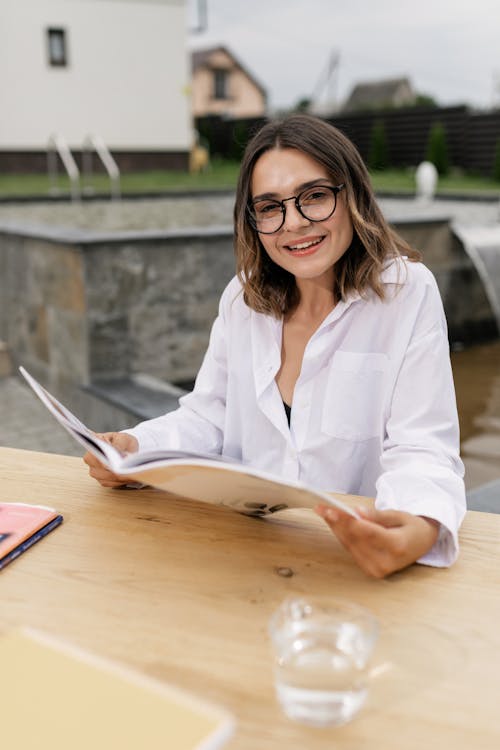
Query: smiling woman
[315,226]
[284,159]
[328,361]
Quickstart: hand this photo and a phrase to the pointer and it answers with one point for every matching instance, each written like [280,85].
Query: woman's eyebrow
[298,189]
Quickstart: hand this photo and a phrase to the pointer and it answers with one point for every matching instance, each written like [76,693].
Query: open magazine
[210,478]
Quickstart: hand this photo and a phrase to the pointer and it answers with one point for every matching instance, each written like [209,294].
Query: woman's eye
[314,196]
[267,209]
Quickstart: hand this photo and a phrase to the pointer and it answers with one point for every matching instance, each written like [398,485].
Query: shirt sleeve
[421,468]
[198,424]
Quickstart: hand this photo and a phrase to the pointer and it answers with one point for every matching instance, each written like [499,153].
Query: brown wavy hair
[267,287]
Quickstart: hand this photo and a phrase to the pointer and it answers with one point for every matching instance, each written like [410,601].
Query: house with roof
[116,69]
[384,94]
[222,85]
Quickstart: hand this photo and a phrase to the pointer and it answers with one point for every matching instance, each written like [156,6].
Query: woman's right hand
[123,442]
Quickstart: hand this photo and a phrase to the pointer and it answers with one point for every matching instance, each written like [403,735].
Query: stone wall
[81,307]
[150,302]
[43,306]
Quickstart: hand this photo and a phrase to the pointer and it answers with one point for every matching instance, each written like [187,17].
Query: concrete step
[485,498]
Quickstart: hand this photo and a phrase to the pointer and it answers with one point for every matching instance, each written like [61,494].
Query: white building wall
[126,80]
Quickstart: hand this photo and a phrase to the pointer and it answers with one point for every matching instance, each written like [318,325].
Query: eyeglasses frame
[336,189]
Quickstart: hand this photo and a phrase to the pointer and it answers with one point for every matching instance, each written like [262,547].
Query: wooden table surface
[183,592]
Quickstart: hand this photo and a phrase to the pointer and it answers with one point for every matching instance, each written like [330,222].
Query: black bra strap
[288,412]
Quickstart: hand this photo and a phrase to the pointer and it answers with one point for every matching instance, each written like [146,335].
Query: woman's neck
[317,300]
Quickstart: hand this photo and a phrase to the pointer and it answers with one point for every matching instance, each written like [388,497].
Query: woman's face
[307,249]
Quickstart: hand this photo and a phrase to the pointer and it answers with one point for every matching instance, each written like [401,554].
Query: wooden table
[183,592]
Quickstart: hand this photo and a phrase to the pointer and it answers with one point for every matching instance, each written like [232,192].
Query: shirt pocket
[354,399]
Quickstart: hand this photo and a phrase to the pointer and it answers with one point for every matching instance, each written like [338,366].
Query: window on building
[57,47]
[221,78]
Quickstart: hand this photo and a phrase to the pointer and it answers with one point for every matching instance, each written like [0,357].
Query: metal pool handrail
[58,145]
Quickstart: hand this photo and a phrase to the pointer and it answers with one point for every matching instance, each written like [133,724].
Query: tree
[425,100]
[378,157]
[239,139]
[437,149]
[303,104]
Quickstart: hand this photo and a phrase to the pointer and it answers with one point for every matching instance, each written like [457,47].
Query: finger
[102,474]
[348,529]
[108,480]
[91,460]
[387,518]
[122,441]
[331,513]
[99,471]
[371,545]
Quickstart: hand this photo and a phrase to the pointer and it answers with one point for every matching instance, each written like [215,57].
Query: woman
[328,361]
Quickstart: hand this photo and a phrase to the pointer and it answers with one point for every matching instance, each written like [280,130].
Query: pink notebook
[23,525]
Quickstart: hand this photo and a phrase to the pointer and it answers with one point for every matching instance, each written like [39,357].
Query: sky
[450,49]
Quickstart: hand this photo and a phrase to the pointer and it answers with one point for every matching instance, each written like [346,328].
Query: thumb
[387,518]
[122,441]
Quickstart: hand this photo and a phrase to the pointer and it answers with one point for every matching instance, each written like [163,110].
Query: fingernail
[332,515]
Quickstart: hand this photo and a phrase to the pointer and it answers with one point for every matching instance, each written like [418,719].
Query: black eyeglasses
[315,203]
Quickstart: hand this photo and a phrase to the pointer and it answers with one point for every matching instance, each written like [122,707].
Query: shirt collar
[394,271]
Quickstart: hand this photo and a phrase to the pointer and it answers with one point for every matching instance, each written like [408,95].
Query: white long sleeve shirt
[373,412]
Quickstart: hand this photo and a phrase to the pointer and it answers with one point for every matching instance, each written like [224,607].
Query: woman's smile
[305,246]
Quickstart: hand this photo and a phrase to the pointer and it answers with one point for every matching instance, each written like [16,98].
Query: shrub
[239,140]
[378,157]
[437,149]
[496,163]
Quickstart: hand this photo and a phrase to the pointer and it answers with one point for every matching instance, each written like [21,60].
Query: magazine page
[134,461]
[80,432]
[236,486]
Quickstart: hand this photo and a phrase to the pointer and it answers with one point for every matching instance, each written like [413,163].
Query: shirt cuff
[144,438]
[444,552]
[447,508]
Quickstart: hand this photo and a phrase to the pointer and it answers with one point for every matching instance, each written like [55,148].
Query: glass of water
[322,650]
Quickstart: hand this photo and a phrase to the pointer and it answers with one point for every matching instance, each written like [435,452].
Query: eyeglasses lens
[316,204]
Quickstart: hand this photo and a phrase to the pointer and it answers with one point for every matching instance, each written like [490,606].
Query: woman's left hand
[382,541]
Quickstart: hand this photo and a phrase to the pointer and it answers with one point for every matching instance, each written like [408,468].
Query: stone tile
[27,424]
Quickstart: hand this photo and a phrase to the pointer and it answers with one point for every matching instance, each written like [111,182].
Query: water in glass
[321,663]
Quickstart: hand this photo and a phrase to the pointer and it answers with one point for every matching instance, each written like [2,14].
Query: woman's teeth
[304,245]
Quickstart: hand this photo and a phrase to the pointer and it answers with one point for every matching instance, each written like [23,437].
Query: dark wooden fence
[471,137]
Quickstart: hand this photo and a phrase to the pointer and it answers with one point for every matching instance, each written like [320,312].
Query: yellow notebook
[57,697]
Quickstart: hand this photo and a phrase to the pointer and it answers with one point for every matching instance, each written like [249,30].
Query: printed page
[80,432]
[242,488]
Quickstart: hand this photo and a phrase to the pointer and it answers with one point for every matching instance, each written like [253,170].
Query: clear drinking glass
[322,650]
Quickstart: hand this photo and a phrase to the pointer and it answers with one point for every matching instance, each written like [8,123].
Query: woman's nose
[293,217]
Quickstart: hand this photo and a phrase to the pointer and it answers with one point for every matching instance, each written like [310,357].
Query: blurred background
[123,122]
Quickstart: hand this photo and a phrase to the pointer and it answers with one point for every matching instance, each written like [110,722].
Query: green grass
[223,175]
[403,181]
[220,175]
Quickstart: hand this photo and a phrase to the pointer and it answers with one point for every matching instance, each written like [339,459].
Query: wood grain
[183,591]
